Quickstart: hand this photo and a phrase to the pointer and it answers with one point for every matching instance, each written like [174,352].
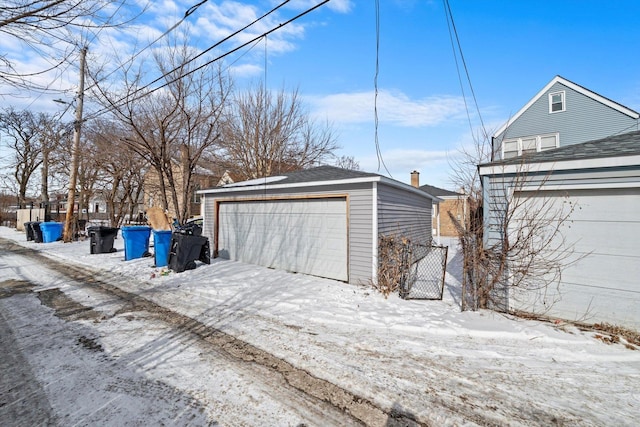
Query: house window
[528,145]
[556,102]
[548,142]
[510,148]
[196,196]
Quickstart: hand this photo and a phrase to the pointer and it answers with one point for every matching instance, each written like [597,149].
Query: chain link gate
[423,271]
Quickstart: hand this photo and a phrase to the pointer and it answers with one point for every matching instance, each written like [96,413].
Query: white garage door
[603,231]
[300,235]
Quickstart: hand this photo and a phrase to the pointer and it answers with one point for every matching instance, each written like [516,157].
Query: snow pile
[422,357]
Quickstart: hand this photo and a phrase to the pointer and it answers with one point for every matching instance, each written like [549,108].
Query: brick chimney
[415,179]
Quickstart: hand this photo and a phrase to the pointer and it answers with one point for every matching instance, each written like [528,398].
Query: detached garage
[323,221]
[601,181]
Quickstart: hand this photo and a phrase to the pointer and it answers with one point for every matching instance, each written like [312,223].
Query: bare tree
[52,30]
[55,134]
[347,162]
[513,243]
[172,128]
[22,130]
[88,173]
[121,170]
[268,133]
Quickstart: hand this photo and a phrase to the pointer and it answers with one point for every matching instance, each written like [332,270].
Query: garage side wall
[360,221]
[599,282]
[402,212]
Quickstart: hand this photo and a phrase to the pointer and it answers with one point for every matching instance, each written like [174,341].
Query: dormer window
[528,145]
[556,102]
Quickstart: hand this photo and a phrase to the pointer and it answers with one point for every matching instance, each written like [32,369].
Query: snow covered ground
[426,358]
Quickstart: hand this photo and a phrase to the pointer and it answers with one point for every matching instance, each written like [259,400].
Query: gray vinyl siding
[359,212]
[361,241]
[497,190]
[585,119]
[402,212]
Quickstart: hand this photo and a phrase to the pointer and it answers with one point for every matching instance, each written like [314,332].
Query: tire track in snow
[360,409]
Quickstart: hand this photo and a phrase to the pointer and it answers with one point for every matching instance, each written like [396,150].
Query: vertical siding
[585,119]
[360,219]
[402,212]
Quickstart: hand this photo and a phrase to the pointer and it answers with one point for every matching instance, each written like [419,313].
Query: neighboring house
[202,178]
[561,114]
[452,203]
[324,221]
[449,202]
[591,173]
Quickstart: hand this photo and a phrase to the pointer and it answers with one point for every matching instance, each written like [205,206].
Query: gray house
[561,114]
[577,154]
[323,221]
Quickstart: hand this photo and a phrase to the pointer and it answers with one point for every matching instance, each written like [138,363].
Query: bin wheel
[191,265]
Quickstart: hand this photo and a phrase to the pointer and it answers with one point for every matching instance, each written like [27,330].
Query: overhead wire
[188,13]
[375,97]
[131,97]
[452,26]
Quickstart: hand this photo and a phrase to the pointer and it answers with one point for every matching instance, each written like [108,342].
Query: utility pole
[75,153]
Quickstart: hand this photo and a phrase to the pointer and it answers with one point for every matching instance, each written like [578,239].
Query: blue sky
[511,48]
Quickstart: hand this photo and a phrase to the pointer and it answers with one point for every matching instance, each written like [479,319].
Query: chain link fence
[423,273]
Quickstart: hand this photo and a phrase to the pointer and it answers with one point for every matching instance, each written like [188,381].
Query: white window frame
[564,101]
[538,142]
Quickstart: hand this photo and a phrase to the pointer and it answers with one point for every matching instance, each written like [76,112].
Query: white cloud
[341,6]
[433,165]
[393,108]
[246,70]
[218,20]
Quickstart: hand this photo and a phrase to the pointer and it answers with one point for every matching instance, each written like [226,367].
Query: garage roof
[321,175]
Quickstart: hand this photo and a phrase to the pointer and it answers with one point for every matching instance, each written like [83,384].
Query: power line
[128,98]
[188,13]
[375,85]
[451,25]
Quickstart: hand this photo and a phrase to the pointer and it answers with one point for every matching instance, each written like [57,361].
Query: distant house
[452,203]
[573,149]
[202,178]
[324,221]
[448,202]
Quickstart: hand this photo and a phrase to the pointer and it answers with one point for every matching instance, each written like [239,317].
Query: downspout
[438,223]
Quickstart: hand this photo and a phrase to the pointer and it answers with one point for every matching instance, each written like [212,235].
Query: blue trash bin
[161,245]
[51,231]
[136,241]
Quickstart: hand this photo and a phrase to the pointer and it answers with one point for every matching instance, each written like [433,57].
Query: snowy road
[238,344]
[79,351]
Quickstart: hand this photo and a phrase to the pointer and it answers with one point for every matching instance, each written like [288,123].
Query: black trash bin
[29,229]
[102,239]
[36,231]
[185,249]
[192,227]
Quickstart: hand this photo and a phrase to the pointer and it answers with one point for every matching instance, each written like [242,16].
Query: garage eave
[596,163]
[275,186]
